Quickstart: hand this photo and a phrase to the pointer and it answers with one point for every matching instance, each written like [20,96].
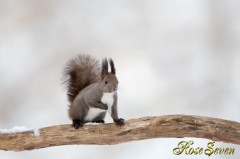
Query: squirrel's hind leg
[99,121]
[77,123]
[77,113]
[100,118]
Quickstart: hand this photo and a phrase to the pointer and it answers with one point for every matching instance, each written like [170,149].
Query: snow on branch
[170,126]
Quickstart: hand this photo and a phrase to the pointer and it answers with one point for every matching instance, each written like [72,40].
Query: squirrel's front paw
[119,121]
[77,123]
[105,107]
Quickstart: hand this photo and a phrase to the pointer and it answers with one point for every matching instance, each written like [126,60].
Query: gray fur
[101,116]
[87,98]
[90,96]
[114,111]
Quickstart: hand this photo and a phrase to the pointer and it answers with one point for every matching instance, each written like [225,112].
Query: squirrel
[91,90]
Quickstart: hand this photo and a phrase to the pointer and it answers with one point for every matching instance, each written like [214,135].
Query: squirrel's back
[80,72]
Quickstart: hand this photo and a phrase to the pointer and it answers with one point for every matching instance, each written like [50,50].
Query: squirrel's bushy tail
[80,72]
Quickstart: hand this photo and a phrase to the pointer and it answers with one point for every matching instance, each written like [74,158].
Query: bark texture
[170,126]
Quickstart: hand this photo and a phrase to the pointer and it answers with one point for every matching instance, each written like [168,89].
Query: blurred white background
[172,57]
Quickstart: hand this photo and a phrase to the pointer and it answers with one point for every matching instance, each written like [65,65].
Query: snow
[17,129]
[36,132]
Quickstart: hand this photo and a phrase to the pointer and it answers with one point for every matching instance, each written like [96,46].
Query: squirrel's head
[109,81]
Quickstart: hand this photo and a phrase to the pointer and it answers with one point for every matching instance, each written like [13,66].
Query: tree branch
[170,126]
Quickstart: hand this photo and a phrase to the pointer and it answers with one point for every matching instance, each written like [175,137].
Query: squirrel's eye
[106,82]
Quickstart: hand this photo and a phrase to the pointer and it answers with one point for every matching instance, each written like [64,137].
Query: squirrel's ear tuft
[113,70]
[104,67]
